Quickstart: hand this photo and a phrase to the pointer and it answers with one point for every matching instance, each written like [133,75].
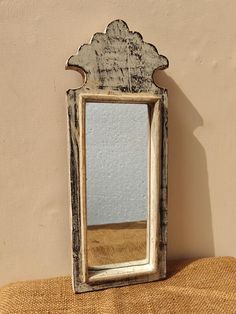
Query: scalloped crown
[118,59]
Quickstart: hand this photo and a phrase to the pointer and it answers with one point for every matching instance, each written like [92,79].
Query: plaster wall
[36,38]
[116,162]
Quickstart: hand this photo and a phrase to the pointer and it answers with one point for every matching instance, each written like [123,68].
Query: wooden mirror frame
[114,77]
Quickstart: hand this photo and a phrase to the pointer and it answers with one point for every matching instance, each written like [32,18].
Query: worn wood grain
[116,62]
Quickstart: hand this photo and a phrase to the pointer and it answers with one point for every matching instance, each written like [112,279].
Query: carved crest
[118,59]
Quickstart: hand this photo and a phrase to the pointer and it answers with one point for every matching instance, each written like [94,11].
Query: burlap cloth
[206,285]
[116,243]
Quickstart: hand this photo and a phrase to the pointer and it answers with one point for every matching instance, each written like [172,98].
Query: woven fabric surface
[116,243]
[205,285]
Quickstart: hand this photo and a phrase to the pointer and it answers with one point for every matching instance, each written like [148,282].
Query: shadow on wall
[190,220]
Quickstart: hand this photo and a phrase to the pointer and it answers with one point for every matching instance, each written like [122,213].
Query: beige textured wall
[36,37]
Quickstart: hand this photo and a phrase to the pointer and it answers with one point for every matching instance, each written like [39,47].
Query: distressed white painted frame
[122,271]
[118,66]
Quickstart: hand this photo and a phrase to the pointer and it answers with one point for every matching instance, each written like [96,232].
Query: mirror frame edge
[101,279]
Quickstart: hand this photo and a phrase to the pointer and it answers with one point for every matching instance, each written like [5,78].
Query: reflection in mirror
[117,176]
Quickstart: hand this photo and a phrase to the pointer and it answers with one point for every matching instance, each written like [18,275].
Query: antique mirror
[118,162]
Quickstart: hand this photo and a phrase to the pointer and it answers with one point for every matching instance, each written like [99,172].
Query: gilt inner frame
[124,271]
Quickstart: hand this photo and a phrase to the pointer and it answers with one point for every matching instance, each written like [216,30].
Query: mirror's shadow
[117,182]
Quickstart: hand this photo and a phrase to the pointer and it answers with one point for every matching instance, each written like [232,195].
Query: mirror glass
[117,179]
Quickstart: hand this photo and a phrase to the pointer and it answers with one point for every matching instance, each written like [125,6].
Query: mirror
[117,124]
[116,172]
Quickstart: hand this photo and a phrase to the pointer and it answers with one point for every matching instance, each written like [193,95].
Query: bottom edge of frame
[86,287]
